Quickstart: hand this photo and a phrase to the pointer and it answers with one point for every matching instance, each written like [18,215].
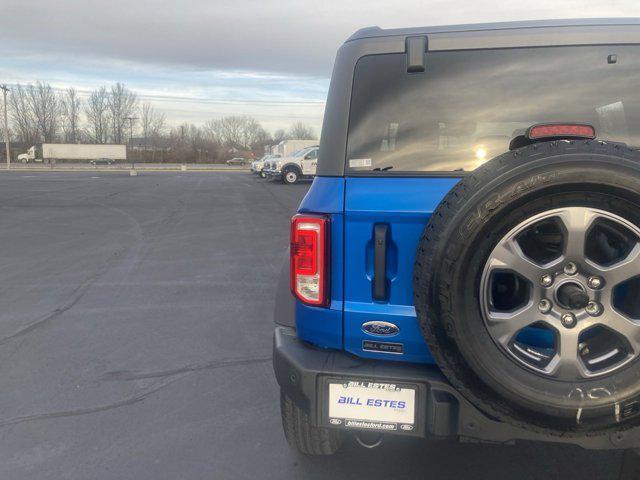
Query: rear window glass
[468,105]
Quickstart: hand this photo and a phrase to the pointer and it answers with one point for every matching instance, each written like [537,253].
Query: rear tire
[304,437]
[460,240]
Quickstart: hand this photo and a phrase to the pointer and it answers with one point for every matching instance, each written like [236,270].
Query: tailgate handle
[380,232]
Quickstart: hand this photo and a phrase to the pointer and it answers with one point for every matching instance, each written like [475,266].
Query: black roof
[373,32]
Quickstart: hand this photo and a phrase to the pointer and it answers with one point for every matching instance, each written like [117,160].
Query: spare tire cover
[526,286]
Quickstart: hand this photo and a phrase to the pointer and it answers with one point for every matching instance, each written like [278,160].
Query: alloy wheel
[560,293]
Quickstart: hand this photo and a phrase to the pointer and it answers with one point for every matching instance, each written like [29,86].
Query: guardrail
[201,167]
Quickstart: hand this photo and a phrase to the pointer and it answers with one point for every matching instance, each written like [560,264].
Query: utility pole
[5,90]
[131,120]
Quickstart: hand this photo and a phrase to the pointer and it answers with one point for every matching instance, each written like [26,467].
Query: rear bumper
[302,372]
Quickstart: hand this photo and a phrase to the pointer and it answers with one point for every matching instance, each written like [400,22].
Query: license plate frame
[373,387]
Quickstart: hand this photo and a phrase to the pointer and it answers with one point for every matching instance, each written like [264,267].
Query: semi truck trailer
[72,151]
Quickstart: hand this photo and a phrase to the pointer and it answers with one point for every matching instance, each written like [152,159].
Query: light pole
[5,90]
[131,120]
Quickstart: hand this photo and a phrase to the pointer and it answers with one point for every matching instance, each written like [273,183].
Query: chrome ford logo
[381,329]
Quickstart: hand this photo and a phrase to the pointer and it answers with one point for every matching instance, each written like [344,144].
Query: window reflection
[468,105]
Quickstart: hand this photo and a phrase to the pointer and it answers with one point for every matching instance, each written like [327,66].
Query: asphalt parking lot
[135,340]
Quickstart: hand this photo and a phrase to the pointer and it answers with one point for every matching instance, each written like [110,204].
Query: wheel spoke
[566,364]
[504,326]
[576,222]
[509,256]
[626,327]
[623,270]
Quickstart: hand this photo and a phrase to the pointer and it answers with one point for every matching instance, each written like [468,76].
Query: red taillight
[309,258]
[552,130]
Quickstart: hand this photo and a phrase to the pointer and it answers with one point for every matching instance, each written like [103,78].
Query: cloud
[254,35]
[199,59]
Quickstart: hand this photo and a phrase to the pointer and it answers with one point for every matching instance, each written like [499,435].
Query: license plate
[372,406]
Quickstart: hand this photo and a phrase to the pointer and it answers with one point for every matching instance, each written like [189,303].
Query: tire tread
[302,435]
[439,332]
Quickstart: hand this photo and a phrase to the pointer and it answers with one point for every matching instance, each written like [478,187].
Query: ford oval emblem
[381,329]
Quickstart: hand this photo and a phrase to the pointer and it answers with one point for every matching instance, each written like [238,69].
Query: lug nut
[544,306]
[595,282]
[594,309]
[570,268]
[569,320]
[546,280]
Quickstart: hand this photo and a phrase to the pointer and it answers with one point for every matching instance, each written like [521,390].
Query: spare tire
[527,287]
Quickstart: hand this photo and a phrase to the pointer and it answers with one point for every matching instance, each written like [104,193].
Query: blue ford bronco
[466,264]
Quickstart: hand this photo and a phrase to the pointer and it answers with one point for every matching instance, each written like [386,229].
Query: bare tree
[38,114]
[260,138]
[122,103]
[24,123]
[97,112]
[189,142]
[280,135]
[211,137]
[236,131]
[252,133]
[301,131]
[45,109]
[71,105]
[211,131]
[152,122]
[231,131]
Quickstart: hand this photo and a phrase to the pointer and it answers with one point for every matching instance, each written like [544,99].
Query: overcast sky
[201,59]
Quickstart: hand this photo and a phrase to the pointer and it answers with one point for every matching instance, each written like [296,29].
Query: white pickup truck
[257,166]
[301,164]
[287,148]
